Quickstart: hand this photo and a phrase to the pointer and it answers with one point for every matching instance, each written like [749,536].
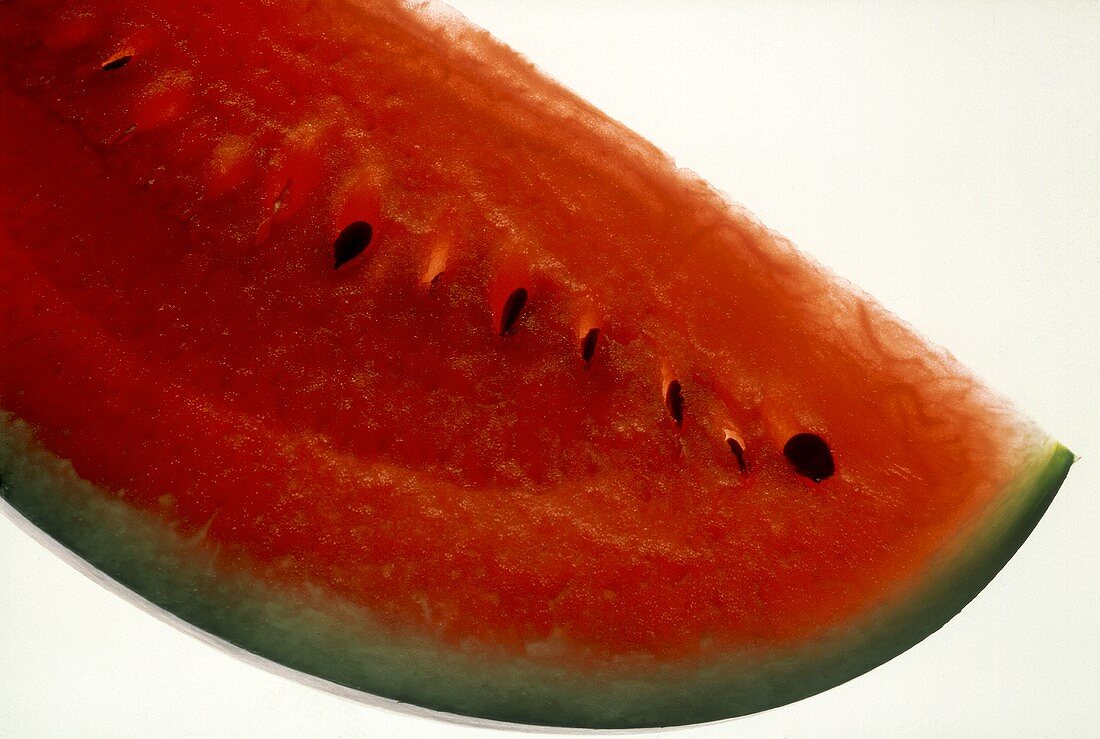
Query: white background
[945,157]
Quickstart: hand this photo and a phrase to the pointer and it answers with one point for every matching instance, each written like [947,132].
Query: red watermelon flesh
[339,331]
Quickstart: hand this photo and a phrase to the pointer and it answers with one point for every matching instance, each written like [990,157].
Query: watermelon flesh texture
[340,332]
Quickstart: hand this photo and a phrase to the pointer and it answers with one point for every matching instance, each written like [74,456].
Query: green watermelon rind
[311,633]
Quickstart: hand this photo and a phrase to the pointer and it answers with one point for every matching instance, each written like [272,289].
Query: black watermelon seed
[588,344]
[738,452]
[117,63]
[674,399]
[351,242]
[810,456]
[513,307]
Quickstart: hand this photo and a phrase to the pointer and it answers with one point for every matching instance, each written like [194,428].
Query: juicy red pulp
[432,430]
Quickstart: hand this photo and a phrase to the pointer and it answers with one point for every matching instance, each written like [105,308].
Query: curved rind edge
[318,636]
[983,551]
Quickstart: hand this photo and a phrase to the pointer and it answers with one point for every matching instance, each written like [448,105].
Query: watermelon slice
[381,356]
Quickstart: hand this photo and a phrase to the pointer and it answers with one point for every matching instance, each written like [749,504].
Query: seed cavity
[351,242]
[513,308]
[282,198]
[123,135]
[588,345]
[810,456]
[437,264]
[117,62]
[674,399]
[738,452]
